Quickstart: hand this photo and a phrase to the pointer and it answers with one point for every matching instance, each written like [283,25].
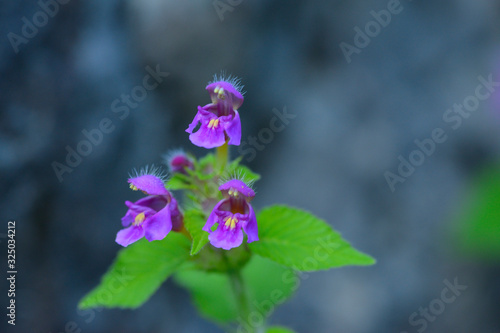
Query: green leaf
[194,220]
[268,284]
[298,239]
[278,329]
[138,272]
[179,181]
[479,232]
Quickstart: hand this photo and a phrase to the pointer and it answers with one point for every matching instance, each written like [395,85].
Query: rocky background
[354,116]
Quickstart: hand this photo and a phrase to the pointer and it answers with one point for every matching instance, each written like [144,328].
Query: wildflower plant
[238,265]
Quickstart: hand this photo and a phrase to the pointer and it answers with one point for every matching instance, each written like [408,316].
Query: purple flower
[178,161]
[153,216]
[219,120]
[233,214]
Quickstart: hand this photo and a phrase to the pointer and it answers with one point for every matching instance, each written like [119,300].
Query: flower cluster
[208,231]
[155,215]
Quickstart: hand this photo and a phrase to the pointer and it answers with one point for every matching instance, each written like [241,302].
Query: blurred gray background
[353,119]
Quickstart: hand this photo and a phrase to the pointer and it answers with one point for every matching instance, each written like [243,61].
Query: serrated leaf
[297,239]
[138,272]
[194,220]
[268,284]
[279,329]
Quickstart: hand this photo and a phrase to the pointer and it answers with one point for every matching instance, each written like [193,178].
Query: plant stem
[238,287]
[222,156]
[240,293]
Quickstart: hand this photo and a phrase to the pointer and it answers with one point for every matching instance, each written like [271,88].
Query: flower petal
[150,184]
[213,218]
[234,96]
[251,228]
[175,215]
[233,129]
[226,238]
[159,225]
[156,202]
[129,215]
[239,186]
[208,137]
[194,123]
[129,235]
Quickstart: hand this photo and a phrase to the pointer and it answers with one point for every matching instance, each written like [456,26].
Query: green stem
[239,291]
[238,287]
[222,156]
